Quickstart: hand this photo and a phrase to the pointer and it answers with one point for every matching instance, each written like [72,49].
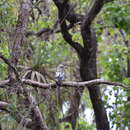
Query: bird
[60,75]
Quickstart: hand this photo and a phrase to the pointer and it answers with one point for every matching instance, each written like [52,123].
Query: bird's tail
[58,93]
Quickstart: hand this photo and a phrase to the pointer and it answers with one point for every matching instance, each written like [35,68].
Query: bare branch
[72,17]
[10,65]
[62,19]
[46,30]
[90,83]
[36,113]
[38,34]
[74,84]
[3,83]
[92,13]
[88,19]
[38,84]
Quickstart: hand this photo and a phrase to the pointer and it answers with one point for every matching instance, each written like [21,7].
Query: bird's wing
[57,74]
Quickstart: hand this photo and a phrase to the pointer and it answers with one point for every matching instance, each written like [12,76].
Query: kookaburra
[60,75]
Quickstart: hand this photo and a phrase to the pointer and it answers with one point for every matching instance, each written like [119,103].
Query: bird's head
[60,67]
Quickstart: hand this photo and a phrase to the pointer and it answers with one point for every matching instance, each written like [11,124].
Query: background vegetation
[43,50]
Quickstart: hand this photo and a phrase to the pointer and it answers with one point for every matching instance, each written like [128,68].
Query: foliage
[83,125]
[117,14]
[114,68]
[40,52]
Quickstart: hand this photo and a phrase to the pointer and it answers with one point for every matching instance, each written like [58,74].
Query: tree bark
[87,57]
[88,71]
[18,41]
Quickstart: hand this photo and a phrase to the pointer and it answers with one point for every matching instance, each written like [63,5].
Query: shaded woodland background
[91,38]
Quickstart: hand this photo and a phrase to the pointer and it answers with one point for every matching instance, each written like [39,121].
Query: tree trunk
[95,96]
[88,71]
[87,57]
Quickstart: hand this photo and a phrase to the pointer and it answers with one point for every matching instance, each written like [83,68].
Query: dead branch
[74,84]
[90,83]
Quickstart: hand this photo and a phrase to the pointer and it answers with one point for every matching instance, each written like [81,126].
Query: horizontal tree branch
[47,30]
[90,83]
[74,84]
[39,33]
